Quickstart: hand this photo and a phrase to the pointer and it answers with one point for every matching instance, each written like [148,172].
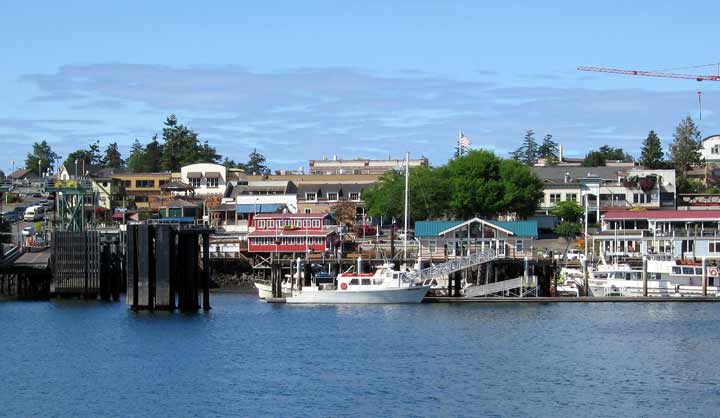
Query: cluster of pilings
[163,267]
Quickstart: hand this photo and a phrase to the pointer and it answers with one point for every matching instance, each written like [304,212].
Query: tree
[603,154]
[232,164]
[94,155]
[569,213]
[384,197]
[686,146]
[113,157]
[181,147]
[594,159]
[136,160]
[256,164]
[345,212]
[528,151]
[651,155]
[42,155]
[549,150]
[80,157]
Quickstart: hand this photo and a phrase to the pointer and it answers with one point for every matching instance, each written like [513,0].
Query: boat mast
[407,185]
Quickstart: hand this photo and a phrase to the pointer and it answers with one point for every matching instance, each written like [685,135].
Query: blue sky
[299,80]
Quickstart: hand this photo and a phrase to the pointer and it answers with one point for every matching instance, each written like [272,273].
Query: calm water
[248,358]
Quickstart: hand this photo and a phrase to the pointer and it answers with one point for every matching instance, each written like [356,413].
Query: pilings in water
[86,264]
[164,267]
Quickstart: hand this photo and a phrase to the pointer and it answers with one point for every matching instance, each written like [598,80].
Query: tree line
[178,146]
[683,154]
[478,183]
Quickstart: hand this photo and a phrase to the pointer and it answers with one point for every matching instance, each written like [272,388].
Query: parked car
[28,231]
[9,216]
[365,230]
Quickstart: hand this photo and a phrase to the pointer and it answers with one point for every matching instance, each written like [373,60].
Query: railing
[497,287]
[442,270]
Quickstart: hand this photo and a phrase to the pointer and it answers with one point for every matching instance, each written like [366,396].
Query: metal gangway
[519,286]
[442,271]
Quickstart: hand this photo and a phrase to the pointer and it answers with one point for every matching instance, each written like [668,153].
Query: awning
[194,175]
[212,175]
[260,208]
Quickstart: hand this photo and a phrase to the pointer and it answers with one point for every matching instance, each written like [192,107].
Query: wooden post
[206,271]
[704,277]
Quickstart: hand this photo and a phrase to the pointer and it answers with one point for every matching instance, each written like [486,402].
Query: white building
[205,178]
[711,148]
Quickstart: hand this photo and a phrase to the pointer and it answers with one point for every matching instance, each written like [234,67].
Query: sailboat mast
[407,186]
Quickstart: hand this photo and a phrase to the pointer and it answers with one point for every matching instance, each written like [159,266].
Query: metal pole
[585,261]
[407,185]
[704,276]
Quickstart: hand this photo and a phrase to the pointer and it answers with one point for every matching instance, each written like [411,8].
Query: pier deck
[582,299]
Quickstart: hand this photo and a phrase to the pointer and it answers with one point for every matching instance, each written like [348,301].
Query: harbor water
[249,358]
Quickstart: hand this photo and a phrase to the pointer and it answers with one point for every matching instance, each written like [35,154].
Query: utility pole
[585,261]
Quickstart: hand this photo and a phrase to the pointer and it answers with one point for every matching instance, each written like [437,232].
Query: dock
[581,299]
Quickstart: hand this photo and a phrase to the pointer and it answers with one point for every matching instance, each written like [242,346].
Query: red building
[292,233]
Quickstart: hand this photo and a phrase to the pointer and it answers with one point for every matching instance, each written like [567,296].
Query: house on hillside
[441,240]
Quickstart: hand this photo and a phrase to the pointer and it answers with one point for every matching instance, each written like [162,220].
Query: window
[271,223]
[432,245]
[715,149]
[261,224]
[365,282]
[642,198]
[354,197]
[316,223]
[162,182]
[332,196]
[354,282]
[195,182]
[127,183]
[298,223]
[141,199]
[714,246]
[144,183]
[519,245]
[571,197]
[554,197]
[213,182]
[310,197]
[308,210]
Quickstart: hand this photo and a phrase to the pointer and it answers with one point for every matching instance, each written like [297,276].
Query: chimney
[560,153]
[567,177]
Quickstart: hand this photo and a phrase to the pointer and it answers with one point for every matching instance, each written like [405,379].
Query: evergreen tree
[42,155]
[154,152]
[686,146]
[652,154]
[549,150]
[113,157]
[594,159]
[528,151]
[256,164]
[182,147]
[136,160]
[94,155]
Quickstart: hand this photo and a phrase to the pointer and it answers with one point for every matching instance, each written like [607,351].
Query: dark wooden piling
[206,271]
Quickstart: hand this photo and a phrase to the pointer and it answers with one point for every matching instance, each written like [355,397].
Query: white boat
[385,286]
[665,277]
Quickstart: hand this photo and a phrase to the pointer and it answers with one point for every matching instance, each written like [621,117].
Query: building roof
[179,203]
[21,173]
[343,189]
[260,208]
[556,174]
[679,215]
[435,228]
[711,137]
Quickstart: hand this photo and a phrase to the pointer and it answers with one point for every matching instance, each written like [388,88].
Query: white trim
[476,220]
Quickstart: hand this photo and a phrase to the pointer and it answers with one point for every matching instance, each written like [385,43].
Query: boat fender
[343,286]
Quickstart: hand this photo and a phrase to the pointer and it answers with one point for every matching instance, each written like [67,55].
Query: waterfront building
[205,178]
[680,233]
[181,209]
[321,197]
[361,166]
[604,188]
[292,233]
[449,239]
[141,187]
[711,148]
[23,174]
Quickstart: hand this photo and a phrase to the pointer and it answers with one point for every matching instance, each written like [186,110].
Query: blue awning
[177,220]
[260,208]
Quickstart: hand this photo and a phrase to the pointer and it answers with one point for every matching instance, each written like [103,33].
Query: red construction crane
[663,74]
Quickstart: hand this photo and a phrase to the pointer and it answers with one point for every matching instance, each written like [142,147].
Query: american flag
[464,141]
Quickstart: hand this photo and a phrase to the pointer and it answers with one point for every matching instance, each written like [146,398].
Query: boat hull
[345,297]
